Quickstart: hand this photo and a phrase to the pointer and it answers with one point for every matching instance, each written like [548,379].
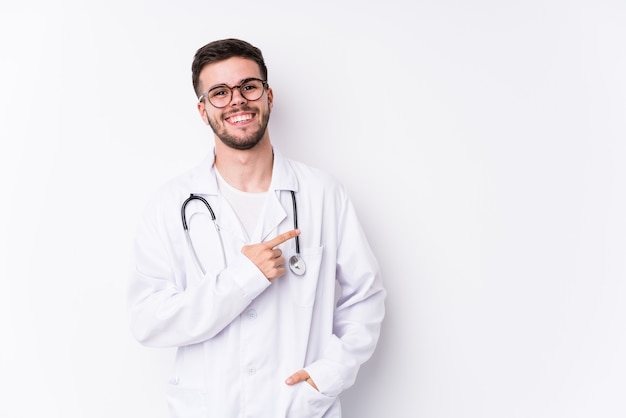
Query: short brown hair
[222,50]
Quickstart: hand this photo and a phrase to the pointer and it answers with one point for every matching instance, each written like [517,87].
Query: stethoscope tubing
[184,206]
[186,228]
[295,220]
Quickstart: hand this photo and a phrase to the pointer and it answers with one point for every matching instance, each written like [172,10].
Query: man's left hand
[301,376]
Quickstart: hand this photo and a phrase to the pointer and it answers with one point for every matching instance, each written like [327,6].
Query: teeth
[240,118]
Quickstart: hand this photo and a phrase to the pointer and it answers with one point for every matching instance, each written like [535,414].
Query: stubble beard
[241,143]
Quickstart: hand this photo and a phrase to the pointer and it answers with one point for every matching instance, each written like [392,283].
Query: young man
[253,265]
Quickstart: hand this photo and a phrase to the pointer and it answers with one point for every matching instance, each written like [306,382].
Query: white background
[483,143]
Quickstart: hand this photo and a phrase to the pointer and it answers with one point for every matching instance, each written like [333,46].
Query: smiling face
[241,124]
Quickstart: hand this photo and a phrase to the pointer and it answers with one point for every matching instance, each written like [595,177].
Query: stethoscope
[296,262]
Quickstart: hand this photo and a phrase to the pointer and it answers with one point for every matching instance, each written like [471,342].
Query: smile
[239,118]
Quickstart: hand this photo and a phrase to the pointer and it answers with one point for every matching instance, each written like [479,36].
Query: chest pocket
[302,288]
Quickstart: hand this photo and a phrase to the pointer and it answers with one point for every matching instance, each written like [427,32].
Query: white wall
[483,143]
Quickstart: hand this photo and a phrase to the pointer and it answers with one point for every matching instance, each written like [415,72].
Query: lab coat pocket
[303,287]
[306,402]
[186,402]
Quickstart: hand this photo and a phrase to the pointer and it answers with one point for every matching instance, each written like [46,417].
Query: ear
[202,112]
[270,98]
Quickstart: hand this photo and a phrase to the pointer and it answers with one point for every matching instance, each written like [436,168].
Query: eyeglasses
[220,96]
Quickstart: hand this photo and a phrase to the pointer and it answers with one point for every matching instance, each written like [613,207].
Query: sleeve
[167,310]
[359,310]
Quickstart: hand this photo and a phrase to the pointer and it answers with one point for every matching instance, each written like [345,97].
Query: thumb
[297,377]
[301,376]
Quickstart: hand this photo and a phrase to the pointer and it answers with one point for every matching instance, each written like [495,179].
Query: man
[212,273]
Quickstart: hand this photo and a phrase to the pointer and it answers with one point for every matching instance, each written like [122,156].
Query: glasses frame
[238,87]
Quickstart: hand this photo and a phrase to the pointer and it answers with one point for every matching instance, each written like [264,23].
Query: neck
[249,170]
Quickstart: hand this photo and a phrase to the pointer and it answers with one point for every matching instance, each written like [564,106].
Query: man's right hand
[266,257]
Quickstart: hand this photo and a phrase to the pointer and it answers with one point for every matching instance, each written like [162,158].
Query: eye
[219,92]
[249,86]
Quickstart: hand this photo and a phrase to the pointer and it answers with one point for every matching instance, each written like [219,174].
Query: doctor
[255,338]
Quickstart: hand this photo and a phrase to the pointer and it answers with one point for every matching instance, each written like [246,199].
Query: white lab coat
[238,335]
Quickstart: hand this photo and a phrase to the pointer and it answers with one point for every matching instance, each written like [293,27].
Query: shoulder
[307,170]
[313,177]
[316,185]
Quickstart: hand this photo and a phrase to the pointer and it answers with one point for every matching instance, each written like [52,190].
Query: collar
[204,180]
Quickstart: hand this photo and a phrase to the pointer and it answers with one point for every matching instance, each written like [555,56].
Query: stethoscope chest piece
[297,265]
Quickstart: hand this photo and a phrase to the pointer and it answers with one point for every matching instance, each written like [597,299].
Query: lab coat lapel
[273,215]
[283,180]
[228,221]
[205,183]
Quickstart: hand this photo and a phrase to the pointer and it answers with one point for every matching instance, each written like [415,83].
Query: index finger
[285,236]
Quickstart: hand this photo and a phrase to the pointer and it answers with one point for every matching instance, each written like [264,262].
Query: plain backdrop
[483,144]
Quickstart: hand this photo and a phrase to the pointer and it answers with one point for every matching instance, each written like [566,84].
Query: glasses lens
[252,89]
[219,96]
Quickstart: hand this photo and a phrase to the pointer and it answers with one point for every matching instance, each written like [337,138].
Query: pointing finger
[285,236]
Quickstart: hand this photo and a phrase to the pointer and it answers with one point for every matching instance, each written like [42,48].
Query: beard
[244,141]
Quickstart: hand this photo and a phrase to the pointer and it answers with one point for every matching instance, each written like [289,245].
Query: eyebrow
[243,80]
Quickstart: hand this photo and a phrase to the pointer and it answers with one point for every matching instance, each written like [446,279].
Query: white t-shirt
[247,206]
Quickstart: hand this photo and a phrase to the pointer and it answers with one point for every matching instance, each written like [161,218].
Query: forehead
[230,71]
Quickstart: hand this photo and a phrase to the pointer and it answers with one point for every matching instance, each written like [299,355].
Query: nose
[237,97]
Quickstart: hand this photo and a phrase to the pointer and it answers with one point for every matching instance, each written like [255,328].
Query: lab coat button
[251,314]
[251,371]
